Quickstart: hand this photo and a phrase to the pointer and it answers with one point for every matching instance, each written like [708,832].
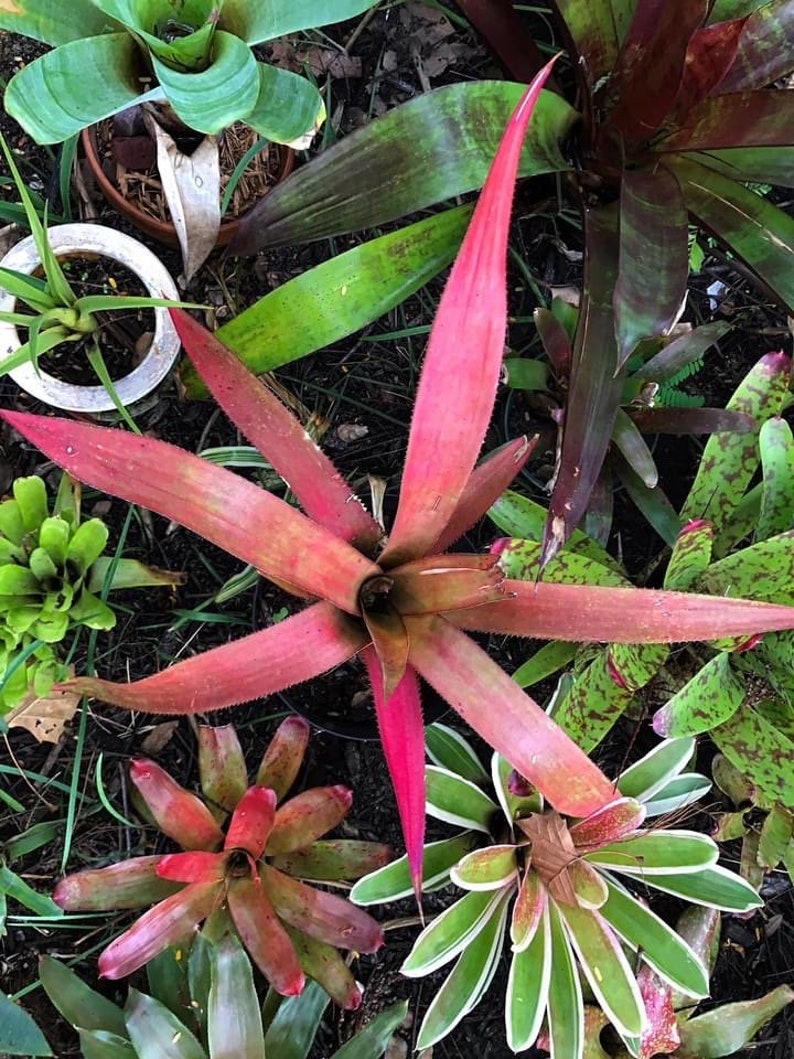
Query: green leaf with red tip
[614,821]
[168,923]
[278,435]
[307,817]
[178,813]
[155,1031]
[652,852]
[449,750]
[776,447]
[587,885]
[252,822]
[760,750]
[195,867]
[466,344]
[327,967]
[393,881]
[431,149]
[452,932]
[729,1028]
[491,868]
[708,699]
[690,557]
[528,987]
[520,560]
[565,1008]
[283,757]
[516,797]
[221,765]
[234,1021]
[264,936]
[653,266]
[528,911]
[467,678]
[206,499]
[764,53]
[321,915]
[296,649]
[333,860]
[756,231]
[132,883]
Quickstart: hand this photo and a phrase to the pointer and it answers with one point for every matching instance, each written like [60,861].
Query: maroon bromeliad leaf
[263,934]
[709,57]
[507,34]
[252,822]
[764,53]
[178,813]
[755,119]
[463,361]
[686,421]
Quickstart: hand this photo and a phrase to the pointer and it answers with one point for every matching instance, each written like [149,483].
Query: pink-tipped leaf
[221,765]
[307,817]
[178,813]
[283,757]
[463,359]
[132,883]
[609,824]
[196,867]
[252,822]
[264,936]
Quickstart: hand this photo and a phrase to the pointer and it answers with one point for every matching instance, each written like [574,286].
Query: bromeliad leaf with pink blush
[373,603]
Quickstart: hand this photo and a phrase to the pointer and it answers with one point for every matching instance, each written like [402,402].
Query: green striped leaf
[453,931]
[653,852]
[714,886]
[393,882]
[652,772]
[458,801]
[528,988]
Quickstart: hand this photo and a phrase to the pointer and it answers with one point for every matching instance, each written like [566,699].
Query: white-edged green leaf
[714,886]
[606,968]
[449,750]
[658,852]
[453,931]
[393,881]
[234,1021]
[528,988]
[652,772]
[457,801]
[677,794]
[665,950]
[565,1004]
[528,910]
[467,982]
[156,1032]
[491,868]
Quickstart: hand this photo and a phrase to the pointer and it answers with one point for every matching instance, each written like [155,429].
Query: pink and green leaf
[178,813]
[264,936]
[327,967]
[131,883]
[612,822]
[528,911]
[454,401]
[252,822]
[491,868]
[587,884]
[764,53]
[333,860]
[739,119]
[221,765]
[283,757]
[727,1029]
[194,867]
[307,817]
[234,1019]
[438,583]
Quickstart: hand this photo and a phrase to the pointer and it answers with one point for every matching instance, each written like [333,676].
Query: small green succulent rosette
[564,892]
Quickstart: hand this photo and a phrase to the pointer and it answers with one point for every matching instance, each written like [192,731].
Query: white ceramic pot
[89,240]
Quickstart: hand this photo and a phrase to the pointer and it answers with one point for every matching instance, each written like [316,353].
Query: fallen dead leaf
[44,717]
[158,737]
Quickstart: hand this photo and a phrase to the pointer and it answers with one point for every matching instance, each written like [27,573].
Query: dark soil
[366,383]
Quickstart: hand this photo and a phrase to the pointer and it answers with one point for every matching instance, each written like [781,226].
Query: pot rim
[86,239]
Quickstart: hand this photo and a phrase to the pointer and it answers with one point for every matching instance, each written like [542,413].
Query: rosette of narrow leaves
[50,574]
[106,54]
[246,878]
[201,1004]
[562,891]
[404,605]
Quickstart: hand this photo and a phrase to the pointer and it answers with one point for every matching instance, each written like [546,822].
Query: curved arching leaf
[764,53]
[287,108]
[256,23]
[53,22]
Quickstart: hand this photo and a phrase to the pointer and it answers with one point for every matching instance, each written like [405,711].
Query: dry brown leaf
[44,717]
[158,737]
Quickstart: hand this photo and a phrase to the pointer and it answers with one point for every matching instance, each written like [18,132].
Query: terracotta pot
[95,240]
[160,230]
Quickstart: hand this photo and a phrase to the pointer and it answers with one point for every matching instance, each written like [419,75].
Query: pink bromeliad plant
[401,604]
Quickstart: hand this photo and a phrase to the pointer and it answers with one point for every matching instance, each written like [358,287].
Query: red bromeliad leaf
[660,1035]
[178,813]
[192,867]
[324,964]
[764,53]
[283,758]
[319,487]
[168,923]
[463,361]
[321,915]
[390,644]
[307,817]
[709,56]
[508,719]
[686,421]
[402,735]
[609,824]
[650,67]
[221,765]
[252,822]
[556,342]
[264,936]
[439,582]
[582,613]
[754,119]
[653,264]
[296,649]
[133,883]
[597,30]
[272,536]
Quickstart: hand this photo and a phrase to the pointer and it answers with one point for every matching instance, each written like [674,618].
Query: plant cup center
[374,594]
[238,864]
[172,29]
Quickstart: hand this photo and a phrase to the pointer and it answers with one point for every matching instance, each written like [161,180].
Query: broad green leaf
[760,165]
[730,460]
[156,1032]
[99,1044]
[51,21]
[54,538]
[449,750]
[433,148]
[528,989]
[662,948]
[776,834]
[522,373]
[454,931]
[17,581]
[223,93]
[167,980]
[713,695]
[19,1034]
[606,968]
[87,544]
[287,107]
[486,869]
[714,886]
[292,1031]
[690,557]
[467,983]
[520,560]
[653,852]
[546,661]
[393,881]
[101,73]
[80,1005]
[761,751]
[340,296]
[260,22]
[678,793]
[31,496]
[776,445]
[654,505]
[457,801]
[762,571]
[373,1040]
[565,1008]
[634,449]
[234,1021]
[653,268]
[727,1029]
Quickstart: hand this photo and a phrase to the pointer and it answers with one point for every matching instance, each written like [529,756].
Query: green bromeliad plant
[196,54]
[246,879]
[51,575]
[563,890]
